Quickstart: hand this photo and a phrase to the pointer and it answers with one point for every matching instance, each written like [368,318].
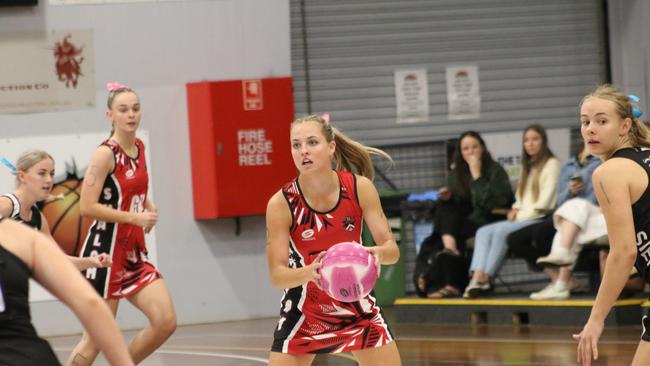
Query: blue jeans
[490,245]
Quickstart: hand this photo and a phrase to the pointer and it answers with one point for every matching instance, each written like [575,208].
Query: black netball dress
[19,343]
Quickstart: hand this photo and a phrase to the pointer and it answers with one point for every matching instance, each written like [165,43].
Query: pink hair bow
[326,117]
[115,85]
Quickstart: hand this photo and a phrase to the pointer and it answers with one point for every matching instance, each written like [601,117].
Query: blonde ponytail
[349,155]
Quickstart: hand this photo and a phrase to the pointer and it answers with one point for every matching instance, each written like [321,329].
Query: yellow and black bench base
[509,310]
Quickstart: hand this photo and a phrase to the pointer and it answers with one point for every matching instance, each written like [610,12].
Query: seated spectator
[577,221]
[534,241]
[477,185]
[535,197]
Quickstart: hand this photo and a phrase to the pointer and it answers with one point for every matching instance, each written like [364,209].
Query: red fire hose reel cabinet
[239,142]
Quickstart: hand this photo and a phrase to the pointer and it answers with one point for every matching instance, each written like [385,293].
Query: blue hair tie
[636,112]
[8,164]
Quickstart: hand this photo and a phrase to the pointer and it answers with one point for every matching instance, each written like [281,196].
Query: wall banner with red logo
[72,154]
[47,71]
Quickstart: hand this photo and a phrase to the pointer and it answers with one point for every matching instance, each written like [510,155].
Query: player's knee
[165,323]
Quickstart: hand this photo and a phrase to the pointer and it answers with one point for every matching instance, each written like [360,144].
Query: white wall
[157,47]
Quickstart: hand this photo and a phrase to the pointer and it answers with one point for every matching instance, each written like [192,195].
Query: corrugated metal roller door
[535,59]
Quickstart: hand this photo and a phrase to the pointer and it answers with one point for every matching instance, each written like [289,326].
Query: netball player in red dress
[320,208]
[114,194]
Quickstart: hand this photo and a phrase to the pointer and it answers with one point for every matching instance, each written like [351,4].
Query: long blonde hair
[349,155]
[639,133]
[28,159]
[529,162]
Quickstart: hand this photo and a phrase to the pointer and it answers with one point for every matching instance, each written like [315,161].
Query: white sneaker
[559,257]
[544,290]
[551,292]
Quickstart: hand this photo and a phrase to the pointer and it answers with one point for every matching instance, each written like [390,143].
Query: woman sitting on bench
[536,195]
[476,186]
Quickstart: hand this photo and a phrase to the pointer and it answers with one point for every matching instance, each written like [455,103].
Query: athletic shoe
[551,292]
[559,257]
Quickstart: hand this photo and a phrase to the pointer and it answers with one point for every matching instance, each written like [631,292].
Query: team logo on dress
[348,223]
[308,234]
[129,173]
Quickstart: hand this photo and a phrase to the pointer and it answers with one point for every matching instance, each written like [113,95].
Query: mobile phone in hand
[576,178]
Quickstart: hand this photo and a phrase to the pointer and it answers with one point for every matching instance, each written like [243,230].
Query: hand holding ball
[348,272]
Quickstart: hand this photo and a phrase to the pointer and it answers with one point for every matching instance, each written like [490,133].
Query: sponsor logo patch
[308,234]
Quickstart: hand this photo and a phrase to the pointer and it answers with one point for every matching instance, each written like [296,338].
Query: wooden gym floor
[247,343]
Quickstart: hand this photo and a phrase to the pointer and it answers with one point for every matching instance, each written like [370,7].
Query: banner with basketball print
[47,71]
[71,154]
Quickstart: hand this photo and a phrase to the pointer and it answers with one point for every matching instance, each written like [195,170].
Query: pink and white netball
[348,272]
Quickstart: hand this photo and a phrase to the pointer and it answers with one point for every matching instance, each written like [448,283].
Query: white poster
[463,96]
[47,71]
[71,154]
[412,95]
[506,148]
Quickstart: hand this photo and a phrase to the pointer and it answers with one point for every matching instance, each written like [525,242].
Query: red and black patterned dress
[125,188]
[311,321]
